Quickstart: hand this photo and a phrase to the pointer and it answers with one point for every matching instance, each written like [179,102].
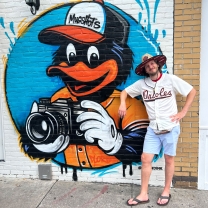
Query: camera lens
[45,127]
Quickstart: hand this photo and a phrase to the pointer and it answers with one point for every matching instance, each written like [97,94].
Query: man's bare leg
[145,175]
[169,171]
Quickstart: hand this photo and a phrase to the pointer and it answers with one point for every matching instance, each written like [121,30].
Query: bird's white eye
[93,54]
[70,52]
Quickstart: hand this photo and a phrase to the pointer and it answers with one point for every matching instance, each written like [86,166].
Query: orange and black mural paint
[68,86]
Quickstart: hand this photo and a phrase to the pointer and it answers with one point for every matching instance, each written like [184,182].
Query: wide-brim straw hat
[159,59]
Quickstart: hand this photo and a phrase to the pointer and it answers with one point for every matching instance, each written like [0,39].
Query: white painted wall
[1,127]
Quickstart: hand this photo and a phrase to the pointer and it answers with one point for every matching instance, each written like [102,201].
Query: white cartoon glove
[98,125]
[58,145]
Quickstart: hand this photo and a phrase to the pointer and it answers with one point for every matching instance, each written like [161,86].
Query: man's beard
[153,74]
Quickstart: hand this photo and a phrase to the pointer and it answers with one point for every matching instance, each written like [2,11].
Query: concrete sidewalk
[34,193]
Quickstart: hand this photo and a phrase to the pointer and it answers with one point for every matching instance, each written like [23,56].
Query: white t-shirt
[160,98]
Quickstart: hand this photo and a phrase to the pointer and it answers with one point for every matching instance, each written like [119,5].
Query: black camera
[49,120]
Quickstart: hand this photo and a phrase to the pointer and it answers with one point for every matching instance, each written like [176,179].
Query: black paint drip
[74,176]
[124,168]
[65,168]
[130,170]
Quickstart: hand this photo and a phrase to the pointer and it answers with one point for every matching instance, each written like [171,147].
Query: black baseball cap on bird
[159,59]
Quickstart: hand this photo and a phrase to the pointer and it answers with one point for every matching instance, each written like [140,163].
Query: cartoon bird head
[93,56]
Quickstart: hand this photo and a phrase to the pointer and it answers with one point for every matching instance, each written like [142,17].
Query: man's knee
[169,160]
[146,158]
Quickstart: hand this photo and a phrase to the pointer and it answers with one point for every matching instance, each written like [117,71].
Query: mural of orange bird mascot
[79,126]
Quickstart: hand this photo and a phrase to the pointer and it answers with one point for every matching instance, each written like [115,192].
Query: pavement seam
[47,193]
[132,191]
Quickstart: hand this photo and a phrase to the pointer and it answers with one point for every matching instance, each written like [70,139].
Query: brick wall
[186,65]
[24,80]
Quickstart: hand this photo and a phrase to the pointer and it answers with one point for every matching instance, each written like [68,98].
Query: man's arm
[122,107]
[132,131]
[189,100]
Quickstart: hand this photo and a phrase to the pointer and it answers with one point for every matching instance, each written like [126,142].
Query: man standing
[159,95]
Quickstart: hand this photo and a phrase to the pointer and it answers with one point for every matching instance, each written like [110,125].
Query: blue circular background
[25,78]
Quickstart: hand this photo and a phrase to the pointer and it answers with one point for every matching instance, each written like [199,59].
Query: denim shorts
[153,142]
